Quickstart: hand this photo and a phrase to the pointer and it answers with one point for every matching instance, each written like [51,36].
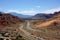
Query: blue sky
[30,7]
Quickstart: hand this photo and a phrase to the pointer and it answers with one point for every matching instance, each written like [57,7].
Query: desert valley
[37,27]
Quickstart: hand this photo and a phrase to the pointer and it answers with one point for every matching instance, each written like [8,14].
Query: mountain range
[37,16]
[42,16]
[49,28]
[30,17]
[20,15]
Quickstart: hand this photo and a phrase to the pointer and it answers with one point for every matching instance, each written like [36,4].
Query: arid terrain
[48,29]
[18,29]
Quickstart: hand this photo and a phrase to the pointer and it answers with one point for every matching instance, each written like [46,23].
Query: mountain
[8,19]
[42,16]
[47,22]
[50,28]
[30,17]
[20,15]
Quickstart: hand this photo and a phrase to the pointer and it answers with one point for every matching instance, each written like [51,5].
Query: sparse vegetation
[49,30]
[52,31]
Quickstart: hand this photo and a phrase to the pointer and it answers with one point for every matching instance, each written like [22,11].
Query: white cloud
[0,9]
[13,11]
[34,11]
[38,6]
[26,12]
[31,11]
[52,10]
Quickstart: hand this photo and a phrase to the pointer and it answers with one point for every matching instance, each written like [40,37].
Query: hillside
[50,28]
[8,19]
[42,16]
[49,21]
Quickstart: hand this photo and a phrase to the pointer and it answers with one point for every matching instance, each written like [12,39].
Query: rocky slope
[8,19]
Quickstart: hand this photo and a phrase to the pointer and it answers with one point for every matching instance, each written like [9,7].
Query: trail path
[28,35]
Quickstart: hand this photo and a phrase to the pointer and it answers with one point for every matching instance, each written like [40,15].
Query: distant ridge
[43,16]
[20,15]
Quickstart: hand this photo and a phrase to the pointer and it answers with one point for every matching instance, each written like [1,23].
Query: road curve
[28,35]
[29,28]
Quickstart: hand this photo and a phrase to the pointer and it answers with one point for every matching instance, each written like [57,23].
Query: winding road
[28,26]
[27,34]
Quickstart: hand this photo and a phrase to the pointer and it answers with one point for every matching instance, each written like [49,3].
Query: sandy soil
[47,23]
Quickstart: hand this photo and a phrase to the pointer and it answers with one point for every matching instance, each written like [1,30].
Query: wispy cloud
[52,10]
[38,6]
[33,11]
[27,12]
[0,9]
[13,11]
